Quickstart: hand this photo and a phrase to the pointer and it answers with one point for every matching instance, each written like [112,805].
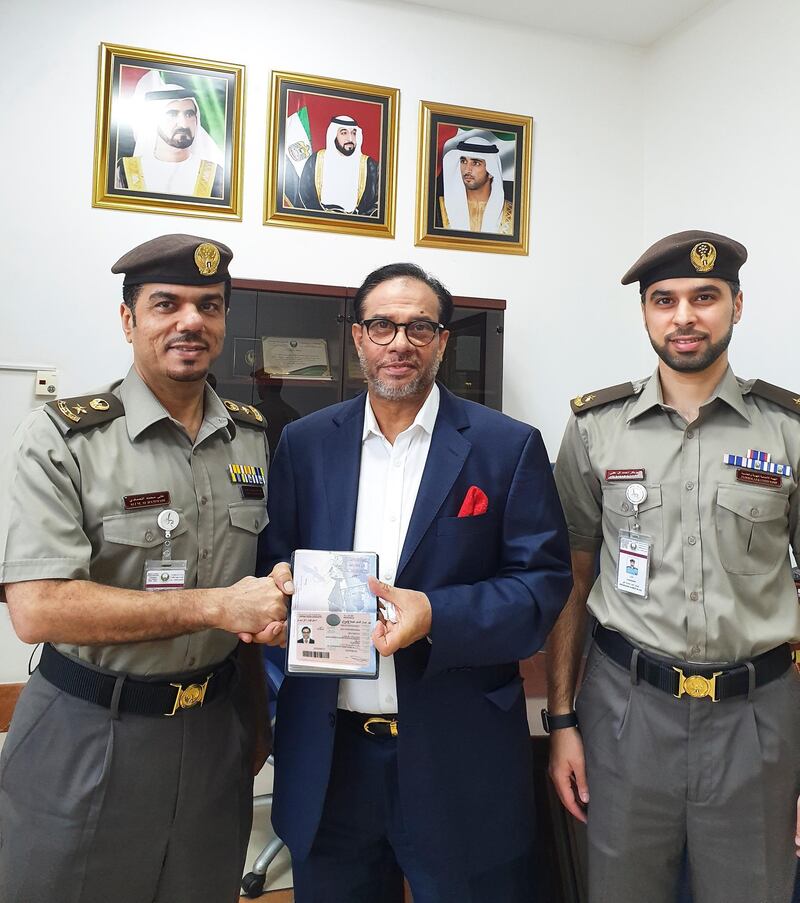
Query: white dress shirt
[388,483]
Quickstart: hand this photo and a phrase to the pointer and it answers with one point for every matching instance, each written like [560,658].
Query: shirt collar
[727,390]
[426,416]
[143,409]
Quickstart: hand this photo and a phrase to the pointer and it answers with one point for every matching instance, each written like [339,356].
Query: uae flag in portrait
[297,144]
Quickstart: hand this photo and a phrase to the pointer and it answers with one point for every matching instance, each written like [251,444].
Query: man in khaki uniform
[689,710]
[132,521]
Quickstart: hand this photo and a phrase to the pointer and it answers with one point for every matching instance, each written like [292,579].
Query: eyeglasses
[418,332]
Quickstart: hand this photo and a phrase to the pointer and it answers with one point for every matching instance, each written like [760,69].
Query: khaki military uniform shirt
[66,516]
[721,587]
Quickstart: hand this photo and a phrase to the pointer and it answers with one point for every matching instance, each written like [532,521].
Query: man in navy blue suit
[426,771]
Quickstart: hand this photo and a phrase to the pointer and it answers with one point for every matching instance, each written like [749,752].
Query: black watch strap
[552,723]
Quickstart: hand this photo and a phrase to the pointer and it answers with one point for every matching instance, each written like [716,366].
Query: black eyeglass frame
[437,327]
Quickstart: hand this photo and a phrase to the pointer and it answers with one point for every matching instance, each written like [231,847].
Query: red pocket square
[475,502]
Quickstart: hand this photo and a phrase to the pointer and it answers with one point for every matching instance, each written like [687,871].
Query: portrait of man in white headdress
[173,152]
[339,178]
[473,197]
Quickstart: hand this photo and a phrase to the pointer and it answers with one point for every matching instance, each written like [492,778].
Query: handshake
[255,607]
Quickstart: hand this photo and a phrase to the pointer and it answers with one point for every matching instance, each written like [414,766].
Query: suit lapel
[342,455]
[446,456]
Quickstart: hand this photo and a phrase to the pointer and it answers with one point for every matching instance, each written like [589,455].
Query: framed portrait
[473,179]
[169,134]
[332,155]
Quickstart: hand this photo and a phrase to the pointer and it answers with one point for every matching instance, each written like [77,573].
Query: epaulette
[245,413]
[601,396]
[783,397]
[85,411]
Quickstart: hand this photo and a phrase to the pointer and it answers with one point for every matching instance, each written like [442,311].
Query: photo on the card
[332,614]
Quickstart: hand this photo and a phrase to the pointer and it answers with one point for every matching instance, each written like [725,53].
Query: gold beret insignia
[703,256]
[207,258]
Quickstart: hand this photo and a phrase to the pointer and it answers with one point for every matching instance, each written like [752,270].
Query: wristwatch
[552,723]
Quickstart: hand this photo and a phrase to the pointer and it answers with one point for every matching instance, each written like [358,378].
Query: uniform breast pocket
[752,529]
[251,517]
[139,528]
[618,513]
[247,520]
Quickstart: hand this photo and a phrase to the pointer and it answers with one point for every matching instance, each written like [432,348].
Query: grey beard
[416,386]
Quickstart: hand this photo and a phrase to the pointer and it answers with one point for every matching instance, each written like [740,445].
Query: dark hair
[130,294]
[735,288]
[404,271]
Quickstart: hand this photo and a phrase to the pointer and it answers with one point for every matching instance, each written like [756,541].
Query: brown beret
[688,254]
[176,260]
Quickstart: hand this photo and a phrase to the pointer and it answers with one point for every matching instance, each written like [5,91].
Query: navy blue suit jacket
[496,583]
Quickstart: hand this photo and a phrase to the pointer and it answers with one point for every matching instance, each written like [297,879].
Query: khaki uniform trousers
[718,779]
[138,809]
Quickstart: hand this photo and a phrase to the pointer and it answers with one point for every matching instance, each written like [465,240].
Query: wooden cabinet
[472,366]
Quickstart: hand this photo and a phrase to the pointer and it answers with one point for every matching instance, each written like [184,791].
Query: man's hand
[250,605]
[568,771]
[413,611]
[274,633]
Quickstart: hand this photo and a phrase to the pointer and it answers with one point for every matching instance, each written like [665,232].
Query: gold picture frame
[331,163]
[169,134]
[462,151]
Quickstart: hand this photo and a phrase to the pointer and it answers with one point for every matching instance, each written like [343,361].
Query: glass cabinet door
[298,367]
[353,382]
[472,366]
[233,370]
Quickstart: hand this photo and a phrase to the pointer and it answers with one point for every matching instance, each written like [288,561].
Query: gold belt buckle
[190,696]
[392,722]
[697,686]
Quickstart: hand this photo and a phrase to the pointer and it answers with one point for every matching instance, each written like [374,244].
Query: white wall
[721,132]
[570,327]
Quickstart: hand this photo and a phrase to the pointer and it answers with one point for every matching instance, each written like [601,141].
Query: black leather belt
[166,696]
[691,679]
[374,725]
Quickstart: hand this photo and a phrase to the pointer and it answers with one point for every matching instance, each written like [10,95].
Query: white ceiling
[635,22]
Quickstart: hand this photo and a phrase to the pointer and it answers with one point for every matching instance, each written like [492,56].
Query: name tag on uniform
[167,572]
[633,563]
[161,575]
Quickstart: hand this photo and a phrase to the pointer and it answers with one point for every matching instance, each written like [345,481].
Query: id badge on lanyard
[635,550]
[165,573]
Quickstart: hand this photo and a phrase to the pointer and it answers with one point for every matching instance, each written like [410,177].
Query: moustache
[686,334]
[188,338]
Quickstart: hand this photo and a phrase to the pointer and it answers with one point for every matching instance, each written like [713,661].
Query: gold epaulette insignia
[85,411]
[600,397]
[782,397]
[245,413]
